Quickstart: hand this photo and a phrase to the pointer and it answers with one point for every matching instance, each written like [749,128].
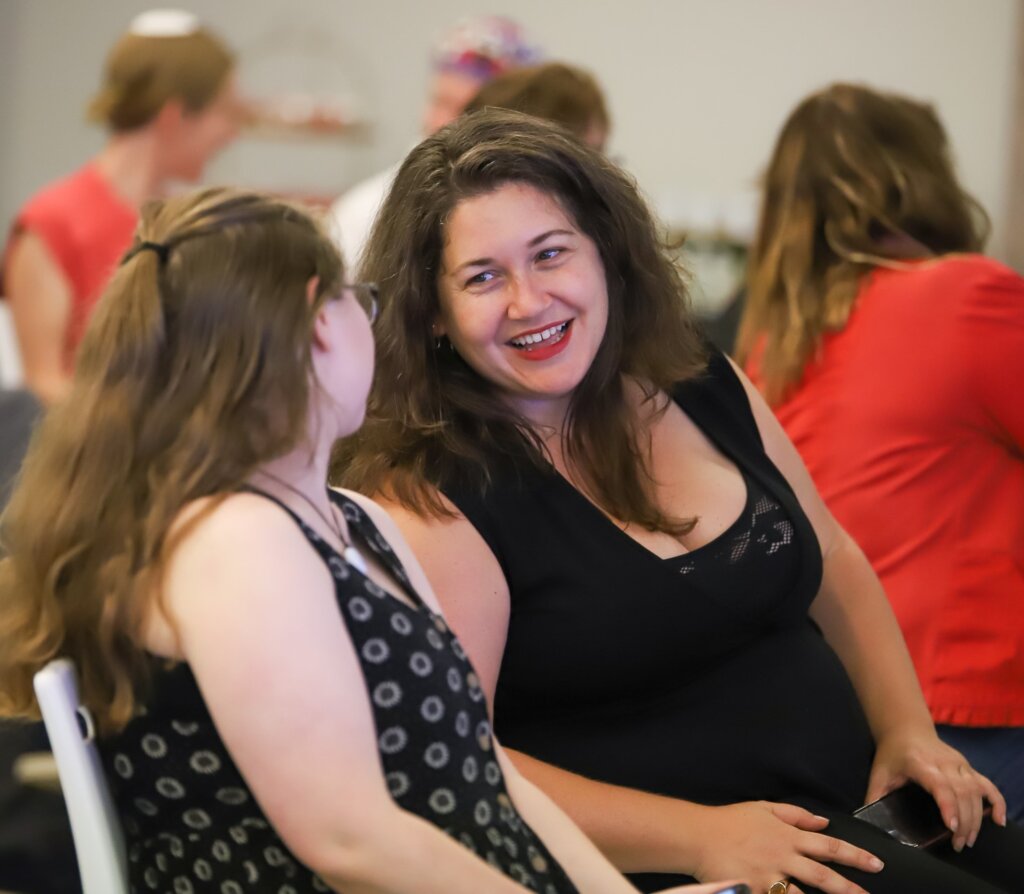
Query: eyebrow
[535,241]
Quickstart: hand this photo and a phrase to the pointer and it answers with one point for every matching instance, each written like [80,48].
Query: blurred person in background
[467,56]
[554,91]
[892,352]
[168,100]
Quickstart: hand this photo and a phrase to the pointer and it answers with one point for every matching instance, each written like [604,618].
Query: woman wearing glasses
[281,705]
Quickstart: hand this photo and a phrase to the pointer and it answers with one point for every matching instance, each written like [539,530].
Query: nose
[528,298]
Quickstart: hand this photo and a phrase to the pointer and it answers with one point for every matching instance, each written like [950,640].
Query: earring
[438,341]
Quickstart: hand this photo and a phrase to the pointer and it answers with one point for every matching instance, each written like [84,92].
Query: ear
[437,328]
[321,329]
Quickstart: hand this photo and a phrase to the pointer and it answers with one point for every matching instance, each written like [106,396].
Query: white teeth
[537,337]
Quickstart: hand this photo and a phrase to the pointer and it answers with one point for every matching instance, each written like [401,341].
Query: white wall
[698,88]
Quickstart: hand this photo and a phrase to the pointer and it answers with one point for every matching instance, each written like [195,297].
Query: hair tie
[160,249]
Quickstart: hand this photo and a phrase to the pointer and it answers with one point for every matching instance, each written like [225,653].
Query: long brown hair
[194,370]
[432,419]
[857,179]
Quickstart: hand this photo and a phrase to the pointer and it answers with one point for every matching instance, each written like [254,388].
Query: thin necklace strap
[332,522]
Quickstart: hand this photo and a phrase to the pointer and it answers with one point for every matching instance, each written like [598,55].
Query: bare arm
[589,869]
[852,610]
[260,628]
[637,831]
[40,299]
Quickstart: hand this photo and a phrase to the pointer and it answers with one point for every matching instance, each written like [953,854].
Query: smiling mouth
[545,338]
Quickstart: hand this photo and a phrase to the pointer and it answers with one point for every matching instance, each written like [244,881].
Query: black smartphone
[908,814]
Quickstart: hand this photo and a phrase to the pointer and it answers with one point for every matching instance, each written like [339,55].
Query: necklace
[350,554]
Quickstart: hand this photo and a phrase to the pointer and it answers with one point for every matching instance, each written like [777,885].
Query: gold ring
[779,887]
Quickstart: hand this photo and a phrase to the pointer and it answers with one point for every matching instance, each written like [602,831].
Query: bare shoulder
[234,555]
[233,525]
[425,544]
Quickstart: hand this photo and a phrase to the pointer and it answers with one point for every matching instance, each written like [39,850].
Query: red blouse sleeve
[990,339]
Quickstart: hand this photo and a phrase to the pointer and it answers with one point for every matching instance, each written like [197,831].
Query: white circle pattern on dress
[435,745]
[437,755]
[393,740]
[205,763]
[203,870]
[123,766]
[387,694]
[432,709]
[376,651]
[398,783]
[170,788]
[232,795]
[360,609]
[420,664]
[154,746]
[401,624]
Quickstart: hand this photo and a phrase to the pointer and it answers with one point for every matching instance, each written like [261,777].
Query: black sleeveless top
[191,823]
[700,677]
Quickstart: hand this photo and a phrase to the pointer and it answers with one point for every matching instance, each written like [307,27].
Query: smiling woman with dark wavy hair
[625,539]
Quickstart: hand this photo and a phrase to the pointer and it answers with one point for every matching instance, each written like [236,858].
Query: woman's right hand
[763,843]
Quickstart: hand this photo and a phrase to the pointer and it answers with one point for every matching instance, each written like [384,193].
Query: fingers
[821,877]
[994,797]
[814,850]
[945,798]
[969,797]
[834,850]
[958,790]
[797,816]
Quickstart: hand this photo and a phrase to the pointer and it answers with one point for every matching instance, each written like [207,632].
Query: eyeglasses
[368,296]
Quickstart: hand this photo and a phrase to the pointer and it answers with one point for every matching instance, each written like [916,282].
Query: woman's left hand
[958,789]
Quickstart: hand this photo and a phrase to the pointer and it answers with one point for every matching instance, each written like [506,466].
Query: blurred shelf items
[298,87]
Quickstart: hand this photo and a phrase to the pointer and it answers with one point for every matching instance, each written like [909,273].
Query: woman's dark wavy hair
[432,420]
[858,179]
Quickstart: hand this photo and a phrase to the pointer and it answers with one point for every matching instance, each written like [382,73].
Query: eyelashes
[485,277]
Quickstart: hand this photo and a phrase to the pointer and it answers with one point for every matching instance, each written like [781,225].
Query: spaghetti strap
[369,535]
[364,534]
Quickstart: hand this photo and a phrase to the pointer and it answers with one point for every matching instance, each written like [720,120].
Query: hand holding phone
[909,814]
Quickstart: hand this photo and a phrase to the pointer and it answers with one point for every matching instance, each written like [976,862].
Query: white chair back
[11,372]
[99,844]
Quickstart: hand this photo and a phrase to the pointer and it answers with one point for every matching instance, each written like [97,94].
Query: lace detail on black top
[761,531]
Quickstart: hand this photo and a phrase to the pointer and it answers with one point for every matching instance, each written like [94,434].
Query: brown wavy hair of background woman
[857,179]
[554,91]
[193,371]
[431,418]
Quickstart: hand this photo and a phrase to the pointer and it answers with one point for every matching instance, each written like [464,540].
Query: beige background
[698,88]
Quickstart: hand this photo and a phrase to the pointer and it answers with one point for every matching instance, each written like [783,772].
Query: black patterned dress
[191,823]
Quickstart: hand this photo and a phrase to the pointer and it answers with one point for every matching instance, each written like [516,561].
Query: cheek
[472,324]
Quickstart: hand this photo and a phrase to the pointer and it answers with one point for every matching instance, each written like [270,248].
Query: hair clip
[160,249]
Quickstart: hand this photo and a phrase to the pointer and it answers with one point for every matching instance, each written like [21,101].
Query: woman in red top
[168,100]
[893,355]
